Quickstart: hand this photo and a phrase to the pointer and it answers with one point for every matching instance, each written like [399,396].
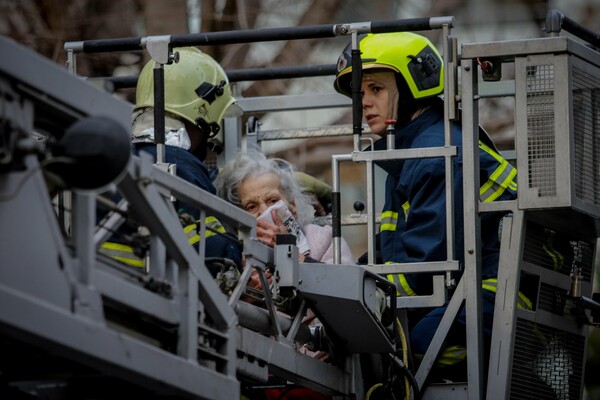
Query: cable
[409,375]
[409,379]
[372,389]
[404,354]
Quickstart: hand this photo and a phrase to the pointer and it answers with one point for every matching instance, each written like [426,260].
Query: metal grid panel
[558,117]
[552,299]
[548,363]
[586,117]
[558,251]
[541,146]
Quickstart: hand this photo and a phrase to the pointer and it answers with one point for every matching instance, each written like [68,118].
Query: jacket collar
[404,138]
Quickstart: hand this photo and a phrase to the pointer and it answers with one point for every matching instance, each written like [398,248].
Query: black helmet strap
[209,128]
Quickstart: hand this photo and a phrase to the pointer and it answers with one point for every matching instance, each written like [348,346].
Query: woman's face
[257,193]
[379,95]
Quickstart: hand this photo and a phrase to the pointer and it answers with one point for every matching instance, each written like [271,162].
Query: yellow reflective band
[402,286]
[191,228]
[213,227]
[452,355]
[191,231]
[554,256]
[504,174]
[122,253]
[557,259]
[388,221]
[388,227]
[125,254]
[522,302]
[404,283]
[130,261]
[406,207]
[491,152]
[117,246]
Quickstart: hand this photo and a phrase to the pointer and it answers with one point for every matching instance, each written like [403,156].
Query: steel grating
[541,146]
[547,364]
[558,251]
[552,299]
[586,117]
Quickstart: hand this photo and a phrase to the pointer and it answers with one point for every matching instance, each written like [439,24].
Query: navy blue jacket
[191,169]
[413,220]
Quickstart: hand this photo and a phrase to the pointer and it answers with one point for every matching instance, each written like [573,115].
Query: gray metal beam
[288,362]
[118,355]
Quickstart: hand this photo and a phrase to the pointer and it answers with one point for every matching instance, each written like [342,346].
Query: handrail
[261,35]
[555,21]
[241,75]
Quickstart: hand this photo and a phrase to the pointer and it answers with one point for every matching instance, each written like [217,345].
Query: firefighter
[402,80]
[197,97]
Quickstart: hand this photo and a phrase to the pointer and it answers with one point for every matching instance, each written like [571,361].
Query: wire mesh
[558,251]
[552,299]
[541,143]
[548,363]
[586,117]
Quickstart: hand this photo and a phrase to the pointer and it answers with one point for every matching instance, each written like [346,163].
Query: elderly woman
[254,183]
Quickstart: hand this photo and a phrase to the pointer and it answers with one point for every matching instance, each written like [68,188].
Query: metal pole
[159,49]
[264,35]
[555,21]
[448,159]
[472,270]
[336,219]
[159,112]
[356,92]
[371,247]
[241,75]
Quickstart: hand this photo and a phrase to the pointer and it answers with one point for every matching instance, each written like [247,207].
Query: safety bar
[160,47]
[555,21]
[241,75]
[262,35]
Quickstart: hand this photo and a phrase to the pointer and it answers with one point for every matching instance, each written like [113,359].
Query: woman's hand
[255,282]
[266,231]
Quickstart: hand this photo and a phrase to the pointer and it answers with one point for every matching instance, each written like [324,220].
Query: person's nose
[366,101]
[261,208]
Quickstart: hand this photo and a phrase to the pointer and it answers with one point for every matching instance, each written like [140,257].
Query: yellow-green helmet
[196,89]
[410,55]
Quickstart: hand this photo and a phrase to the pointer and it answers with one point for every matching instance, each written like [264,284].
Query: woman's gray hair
[254,163]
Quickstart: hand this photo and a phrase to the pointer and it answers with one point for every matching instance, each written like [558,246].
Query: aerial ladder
[74,323]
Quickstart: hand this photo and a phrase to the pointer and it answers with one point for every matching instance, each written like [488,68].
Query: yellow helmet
[410,55]
[196,89]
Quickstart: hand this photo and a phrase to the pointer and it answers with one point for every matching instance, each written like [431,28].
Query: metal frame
[59,297]
[65,280]
[557,51]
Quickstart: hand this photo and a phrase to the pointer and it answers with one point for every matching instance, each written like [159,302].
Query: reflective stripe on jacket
[522,301]
[125,253]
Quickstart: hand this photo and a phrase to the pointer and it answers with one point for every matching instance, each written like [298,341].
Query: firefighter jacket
[219,243]
[413,218]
